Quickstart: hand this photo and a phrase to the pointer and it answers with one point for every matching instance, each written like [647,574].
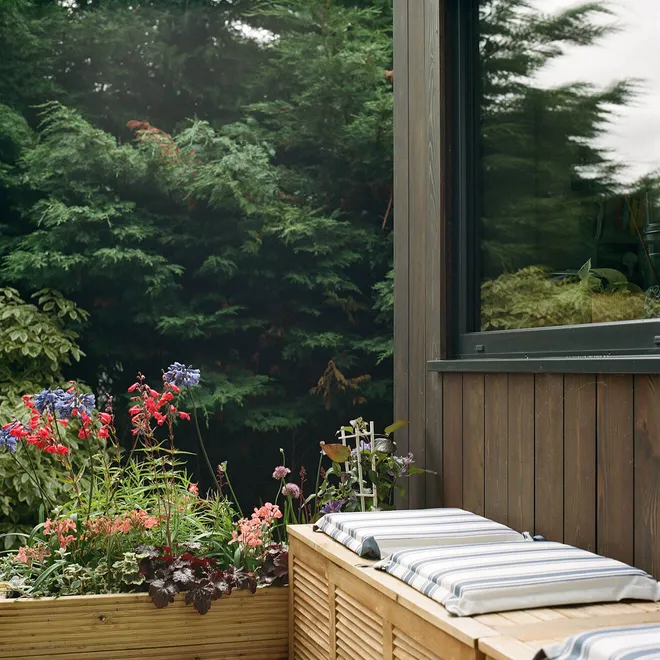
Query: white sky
[632,52]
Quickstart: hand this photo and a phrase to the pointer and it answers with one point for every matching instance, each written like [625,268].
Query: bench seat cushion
[376,534]
[496,577]
[624,643]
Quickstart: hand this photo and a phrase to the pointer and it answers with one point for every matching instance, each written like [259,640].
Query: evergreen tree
[258,250]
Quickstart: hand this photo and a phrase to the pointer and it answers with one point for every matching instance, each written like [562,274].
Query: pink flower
[291,490]
[194,489]
[280,472]
[27,555]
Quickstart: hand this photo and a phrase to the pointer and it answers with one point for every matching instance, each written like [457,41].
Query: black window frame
[597,342]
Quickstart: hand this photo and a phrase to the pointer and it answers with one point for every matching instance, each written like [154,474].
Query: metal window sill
[624,364]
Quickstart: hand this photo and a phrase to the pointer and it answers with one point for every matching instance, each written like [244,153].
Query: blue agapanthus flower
[7,439]
[62,404]
[181,376]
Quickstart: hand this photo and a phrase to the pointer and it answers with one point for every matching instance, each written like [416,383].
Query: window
[557,172]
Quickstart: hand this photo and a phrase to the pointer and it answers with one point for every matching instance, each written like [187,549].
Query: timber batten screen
[566,446]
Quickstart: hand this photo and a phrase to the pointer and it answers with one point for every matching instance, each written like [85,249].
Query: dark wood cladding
[575,457]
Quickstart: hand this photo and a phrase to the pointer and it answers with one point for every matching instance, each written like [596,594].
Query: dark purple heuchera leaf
[201,597]
[184,578]
[162,593]
[276,565]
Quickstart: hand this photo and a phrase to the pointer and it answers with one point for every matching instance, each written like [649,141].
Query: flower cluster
[280,472]
[30,554]
[149,404]
[9,436]
[64,404]
[138,520]
[60,529]
[181,376]
[251,531]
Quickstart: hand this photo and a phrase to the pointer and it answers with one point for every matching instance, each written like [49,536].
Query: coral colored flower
[291,490]
[184,415]
[105,418]
[133,387]
[28,555]
[60,528]
[280,472]
[194,489]
[104,433]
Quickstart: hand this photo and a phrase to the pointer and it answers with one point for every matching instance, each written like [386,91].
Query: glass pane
[569,153]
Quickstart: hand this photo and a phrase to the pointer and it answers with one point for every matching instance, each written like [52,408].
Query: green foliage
[38,341]
[531,298]
[240,222]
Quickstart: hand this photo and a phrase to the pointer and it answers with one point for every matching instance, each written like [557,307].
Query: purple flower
[291,490]
[406,462]
[7,439]
[180,375]
[364,446]
[333,506]
[280,472]
[61,403]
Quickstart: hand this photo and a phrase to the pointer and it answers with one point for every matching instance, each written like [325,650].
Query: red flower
[103,432]
[184,415]
[167,396]
[105,418]
[133,387]
[18,431]
[160,418]
[63,422]
[134,410]
[84,433]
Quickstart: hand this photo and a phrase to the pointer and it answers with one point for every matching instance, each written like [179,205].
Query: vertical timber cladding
[419,261]
[574,457]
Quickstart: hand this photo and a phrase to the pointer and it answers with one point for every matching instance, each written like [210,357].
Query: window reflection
[570,162]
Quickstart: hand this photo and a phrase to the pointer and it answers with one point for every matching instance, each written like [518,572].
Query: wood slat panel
[615,513]
[452,438]
[401,228]
[435,347]
[496,435]
[647,474]
[520,500]
[417,205]
[549,456]
[473,442]
[580,460]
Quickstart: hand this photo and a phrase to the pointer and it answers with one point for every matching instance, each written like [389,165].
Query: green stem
[202,448]
[316,490]
[48,505]
[233,494]
[91,479]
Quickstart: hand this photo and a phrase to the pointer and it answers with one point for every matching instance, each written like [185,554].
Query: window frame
[596,342]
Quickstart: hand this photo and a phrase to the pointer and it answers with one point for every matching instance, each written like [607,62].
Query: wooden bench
[342,608]
[524,632]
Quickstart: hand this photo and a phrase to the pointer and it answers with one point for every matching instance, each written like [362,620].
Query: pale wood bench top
[523,632]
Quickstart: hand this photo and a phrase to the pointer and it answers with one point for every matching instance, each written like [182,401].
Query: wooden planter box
[129,627]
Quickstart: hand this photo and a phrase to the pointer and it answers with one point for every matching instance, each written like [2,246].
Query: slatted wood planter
[129,627]
[343,609]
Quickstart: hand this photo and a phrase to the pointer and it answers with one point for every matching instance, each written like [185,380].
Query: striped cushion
[509,576]
[377,534]
[626,643]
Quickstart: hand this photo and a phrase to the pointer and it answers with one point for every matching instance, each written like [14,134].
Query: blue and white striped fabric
[625,643]
[376,534]
[495,577]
